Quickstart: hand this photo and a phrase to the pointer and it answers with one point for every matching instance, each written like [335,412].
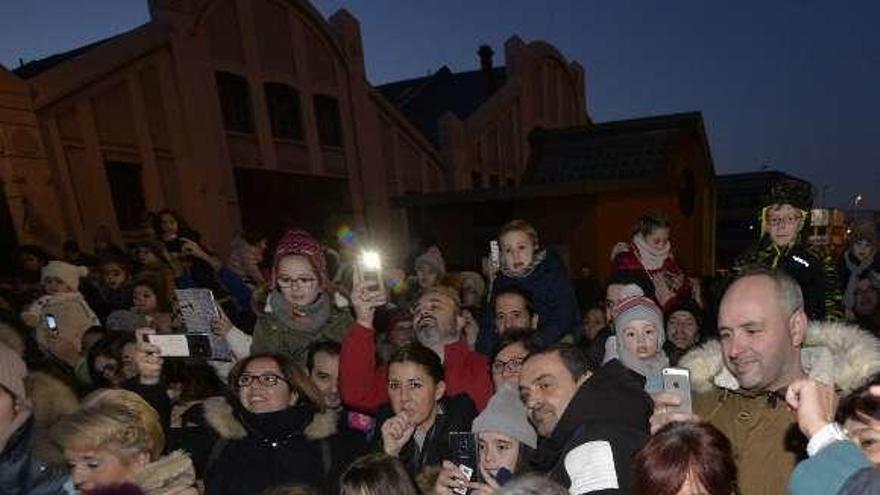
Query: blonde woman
[116,438]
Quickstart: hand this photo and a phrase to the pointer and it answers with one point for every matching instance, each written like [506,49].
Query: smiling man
[592,423]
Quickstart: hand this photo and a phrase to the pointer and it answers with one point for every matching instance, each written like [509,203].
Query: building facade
[251,113]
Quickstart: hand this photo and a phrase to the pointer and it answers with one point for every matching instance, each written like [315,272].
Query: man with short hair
[511,308]
[592,423]
[438,324]
[740,382]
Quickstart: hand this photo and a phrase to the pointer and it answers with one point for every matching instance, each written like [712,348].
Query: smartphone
[463,453]
[52,324]
[677,381]
[182,345]
[494,256]
[371,270]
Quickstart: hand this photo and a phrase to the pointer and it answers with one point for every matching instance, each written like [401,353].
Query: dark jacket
[22,472]
[603,427]
[840,468]
[817,277]
[273,451]
[553,300]
[456,414]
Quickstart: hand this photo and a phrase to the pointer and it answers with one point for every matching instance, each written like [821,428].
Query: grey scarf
[309,318]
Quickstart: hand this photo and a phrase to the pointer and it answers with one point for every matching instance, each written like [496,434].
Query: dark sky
[794,85]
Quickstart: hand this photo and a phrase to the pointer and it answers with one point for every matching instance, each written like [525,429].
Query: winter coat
[455,413]
[816,276]
[762,429]
[840,468]
[604,426]
[272,334]
[627,260]
[257,451]
[23,471]
[552,297]
[363,384]
[170,474]
[51,400]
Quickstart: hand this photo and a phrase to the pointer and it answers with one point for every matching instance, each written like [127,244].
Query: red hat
[301,243]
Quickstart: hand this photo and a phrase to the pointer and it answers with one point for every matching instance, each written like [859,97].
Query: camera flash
[370,260]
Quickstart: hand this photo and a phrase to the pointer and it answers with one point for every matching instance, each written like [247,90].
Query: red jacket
[364,385]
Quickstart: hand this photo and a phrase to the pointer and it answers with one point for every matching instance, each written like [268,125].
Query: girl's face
[169,225]
[640,338]
[517,251]
[297,280]
[261,393]
[108,367]
[658,239]
[114,275]
[29,262]
[147,257]
[129,365]
[54,285]
[93,469]
[497,451]
[682,329]
[863,250]
[427,276]
[145,300]
[865,432]
[413,392]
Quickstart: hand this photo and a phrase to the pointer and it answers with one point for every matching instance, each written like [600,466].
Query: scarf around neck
[855,270]
[309,318]
[643,366]
[537,259]
[652,259]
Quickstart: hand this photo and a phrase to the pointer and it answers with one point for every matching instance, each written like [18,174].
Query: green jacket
[271,334]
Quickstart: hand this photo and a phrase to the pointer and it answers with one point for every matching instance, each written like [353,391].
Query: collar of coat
[220,416]
[834,353]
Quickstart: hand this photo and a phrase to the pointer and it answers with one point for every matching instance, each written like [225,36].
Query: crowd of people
[509,379]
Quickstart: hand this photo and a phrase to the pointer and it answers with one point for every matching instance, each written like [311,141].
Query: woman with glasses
[300,307]
[266,431]
[415,426]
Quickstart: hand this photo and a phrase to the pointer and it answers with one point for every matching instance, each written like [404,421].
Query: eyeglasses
[264,380]
[787,220]
[288,283]
[511,366]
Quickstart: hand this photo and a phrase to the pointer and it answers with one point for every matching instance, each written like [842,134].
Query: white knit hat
[69,274]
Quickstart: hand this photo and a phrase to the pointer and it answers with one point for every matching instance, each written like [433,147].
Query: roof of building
[623,149]
[37,67]
[424,100]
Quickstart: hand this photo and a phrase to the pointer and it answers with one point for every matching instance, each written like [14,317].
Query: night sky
[790,85]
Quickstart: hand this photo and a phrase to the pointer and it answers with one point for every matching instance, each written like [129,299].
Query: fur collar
[169,474]
[221,417]
[834,353]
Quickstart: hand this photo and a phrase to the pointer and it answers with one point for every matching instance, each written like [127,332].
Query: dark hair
[108,346]
[254,236]
[649,222]
[516,291]
[529,337]
[33,250]
[860,403]
[572,357]
[689,306]
[183,228]
[197,379]
[116,259]
[627,277]
[296,378]
[419,354]
[155,282]
[328,347]
[376,474]
[681,449]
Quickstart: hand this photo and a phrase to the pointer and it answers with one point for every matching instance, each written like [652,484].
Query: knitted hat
[433,258]
[69,274]
[12,372]
[300,243]
[686,304]
[506,414]
[473,280]
[633,305]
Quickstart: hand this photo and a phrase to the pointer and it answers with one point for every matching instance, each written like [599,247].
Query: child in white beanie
[639,337]
[61,283]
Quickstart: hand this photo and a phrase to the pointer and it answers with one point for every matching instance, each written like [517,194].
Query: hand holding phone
[463,453]
[677,381]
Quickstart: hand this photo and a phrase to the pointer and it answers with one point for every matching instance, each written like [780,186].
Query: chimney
[485,52]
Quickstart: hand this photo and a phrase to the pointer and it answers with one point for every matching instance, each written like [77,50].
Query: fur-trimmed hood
[835,353]
[220,416]
[173,473]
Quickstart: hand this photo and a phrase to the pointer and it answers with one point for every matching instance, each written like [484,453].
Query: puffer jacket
[23,471]
[553,300]
[762,429]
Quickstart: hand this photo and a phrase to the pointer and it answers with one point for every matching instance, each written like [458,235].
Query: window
[284,111]
[235,102]
[127,193]
[327,117]
[476,180]
[494,181]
